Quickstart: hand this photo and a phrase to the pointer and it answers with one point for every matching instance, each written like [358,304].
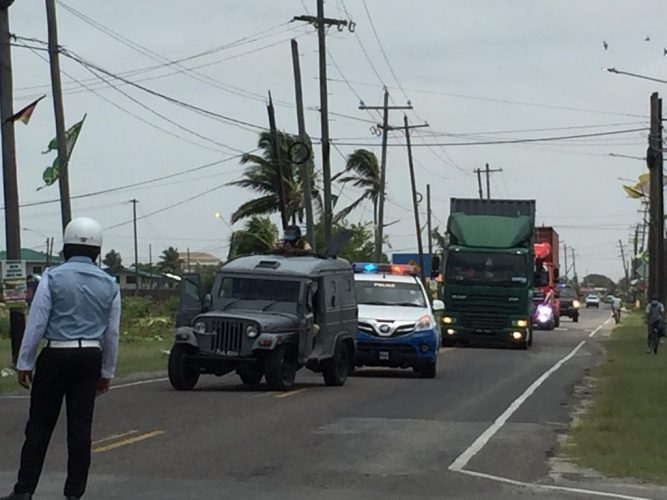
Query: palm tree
[258,236]
[364,173]
[262,177]
[170,261]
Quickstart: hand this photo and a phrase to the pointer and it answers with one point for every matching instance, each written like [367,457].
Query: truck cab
[397,324]
[267,316]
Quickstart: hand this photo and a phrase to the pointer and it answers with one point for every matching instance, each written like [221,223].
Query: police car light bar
[371,267]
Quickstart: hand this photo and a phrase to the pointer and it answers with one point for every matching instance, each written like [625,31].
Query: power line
[513,141]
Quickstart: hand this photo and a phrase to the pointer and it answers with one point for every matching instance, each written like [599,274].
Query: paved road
[386,434]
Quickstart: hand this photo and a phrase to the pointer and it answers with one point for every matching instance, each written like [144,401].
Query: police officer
[293,242]
[76,309]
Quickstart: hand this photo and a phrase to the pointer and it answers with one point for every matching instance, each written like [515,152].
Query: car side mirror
[438,305]
[208,303]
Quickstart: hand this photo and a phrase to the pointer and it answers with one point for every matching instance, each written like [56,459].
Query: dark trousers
[71,374]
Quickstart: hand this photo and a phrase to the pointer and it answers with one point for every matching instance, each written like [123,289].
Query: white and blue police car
[397,326]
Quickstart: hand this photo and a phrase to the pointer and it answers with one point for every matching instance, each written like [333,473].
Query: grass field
[624,431]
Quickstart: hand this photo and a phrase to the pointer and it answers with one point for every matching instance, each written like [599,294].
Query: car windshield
[262,293]
[388,293]
[568,293]
[497,269]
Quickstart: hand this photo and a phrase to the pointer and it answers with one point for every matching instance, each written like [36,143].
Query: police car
[397,327]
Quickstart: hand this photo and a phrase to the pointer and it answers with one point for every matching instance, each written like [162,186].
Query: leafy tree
[261,176]
[363,172]
[207,275]
[258,236]
[599,281]
[170,261]
[113,261]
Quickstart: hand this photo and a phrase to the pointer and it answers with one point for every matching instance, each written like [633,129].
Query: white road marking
[465,457]
[14,397]
[141,382]
[550,487]
[481,441]
[291,393]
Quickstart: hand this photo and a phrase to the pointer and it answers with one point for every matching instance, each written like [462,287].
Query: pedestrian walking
[76,310]
[655,318]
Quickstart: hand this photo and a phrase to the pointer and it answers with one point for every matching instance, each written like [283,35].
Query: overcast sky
[489,70]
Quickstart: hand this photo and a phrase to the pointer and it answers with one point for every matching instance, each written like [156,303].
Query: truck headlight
[251,331]
[576,304]
[521,323]
[424,323]
[200,327]
[448,320]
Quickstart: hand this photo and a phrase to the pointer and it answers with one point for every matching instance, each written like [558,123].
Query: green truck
[488,272]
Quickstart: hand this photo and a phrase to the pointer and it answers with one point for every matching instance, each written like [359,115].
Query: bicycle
[654,338]
[616,313]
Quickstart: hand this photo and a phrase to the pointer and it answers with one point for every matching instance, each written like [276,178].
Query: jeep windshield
[387,293]
[498,269]
[259,294]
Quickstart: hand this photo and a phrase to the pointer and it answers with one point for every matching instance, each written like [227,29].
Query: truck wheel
[280,368]
[427,370]
[530,338]
[183,374]
[253,377]
[336,369]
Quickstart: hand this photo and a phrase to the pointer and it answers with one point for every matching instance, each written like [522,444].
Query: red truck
[547,311]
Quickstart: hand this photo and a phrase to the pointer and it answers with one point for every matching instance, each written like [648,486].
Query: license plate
[384,355]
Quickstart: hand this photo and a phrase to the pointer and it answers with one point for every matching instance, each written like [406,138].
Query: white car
[397,326]
[592,300]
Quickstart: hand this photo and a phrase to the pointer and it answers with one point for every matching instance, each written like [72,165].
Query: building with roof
[127,279]
[33,262]
[192,260]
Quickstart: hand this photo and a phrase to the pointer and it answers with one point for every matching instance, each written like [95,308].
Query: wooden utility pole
[321,23]
[63,156]
[656,220]
[379,230]
[415,203]
[150,258]
[277,163]
[428,225]
[625,264]
[134,202]
[487,172]
[565,254]
[9,178]
[306,163]
[479,183]
[574,268]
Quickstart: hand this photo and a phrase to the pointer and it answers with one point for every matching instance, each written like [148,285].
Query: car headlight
[576,304]
[424,323]
[200,327]
[251,331]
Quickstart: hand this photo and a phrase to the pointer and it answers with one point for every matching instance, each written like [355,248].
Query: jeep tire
[183,373]
[280,368]
[336,369]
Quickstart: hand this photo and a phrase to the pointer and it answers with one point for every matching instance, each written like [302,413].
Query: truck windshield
[254,289]
[487,268]
[387,293]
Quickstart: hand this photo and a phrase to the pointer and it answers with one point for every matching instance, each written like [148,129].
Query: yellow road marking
[114,437]
[292,393]
[125,442]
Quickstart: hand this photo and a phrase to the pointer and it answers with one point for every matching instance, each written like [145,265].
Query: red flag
[25,113]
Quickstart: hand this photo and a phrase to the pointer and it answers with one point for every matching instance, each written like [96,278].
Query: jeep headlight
[251,331]
[424,323]
[200,327]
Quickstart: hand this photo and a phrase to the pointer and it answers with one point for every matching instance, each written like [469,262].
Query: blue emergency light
[371,267]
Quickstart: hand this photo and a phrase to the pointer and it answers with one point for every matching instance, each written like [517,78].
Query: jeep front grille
[229,335]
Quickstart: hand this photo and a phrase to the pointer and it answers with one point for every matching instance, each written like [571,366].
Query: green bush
[145,318]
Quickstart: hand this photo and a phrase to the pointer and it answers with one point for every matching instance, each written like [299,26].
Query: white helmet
[83,231]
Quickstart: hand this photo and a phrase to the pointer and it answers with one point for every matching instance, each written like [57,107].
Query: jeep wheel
[251,377]
[280,368]
[336,369]
[183,374]
[427,370]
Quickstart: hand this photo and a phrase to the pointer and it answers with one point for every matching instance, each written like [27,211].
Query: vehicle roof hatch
[268,264]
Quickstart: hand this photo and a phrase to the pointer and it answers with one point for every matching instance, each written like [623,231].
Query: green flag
[50,175]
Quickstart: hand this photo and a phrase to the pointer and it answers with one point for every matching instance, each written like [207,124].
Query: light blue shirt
[76,300]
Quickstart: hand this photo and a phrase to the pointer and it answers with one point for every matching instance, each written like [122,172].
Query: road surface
[386,434]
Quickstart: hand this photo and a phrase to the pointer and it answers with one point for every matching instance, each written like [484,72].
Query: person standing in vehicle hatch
[76,309]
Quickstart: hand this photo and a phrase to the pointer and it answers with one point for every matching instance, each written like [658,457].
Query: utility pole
[321,23]
[189,269]
[625,264]
[479,183]
[415,203]
[486,171]
[306,164]
[134,202]
[150,258]
[277,162]
[656,220]
[428,224]
[574,268]
[565,254]
[379,230]
[10,181]
[63,156]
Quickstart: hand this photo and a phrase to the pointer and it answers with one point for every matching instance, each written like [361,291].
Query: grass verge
[623,432]
[136,356]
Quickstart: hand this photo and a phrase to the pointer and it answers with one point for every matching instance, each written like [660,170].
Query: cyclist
[655,318]
[616,309]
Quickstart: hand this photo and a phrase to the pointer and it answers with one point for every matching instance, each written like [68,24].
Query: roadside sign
[14,284]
